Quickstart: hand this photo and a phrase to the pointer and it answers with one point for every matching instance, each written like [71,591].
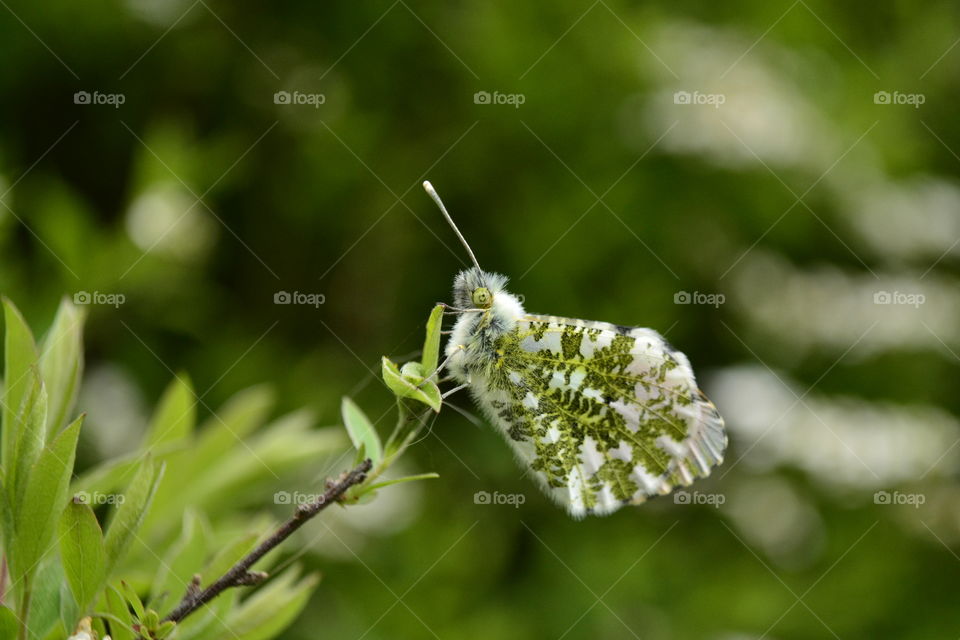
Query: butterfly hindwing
[604,415]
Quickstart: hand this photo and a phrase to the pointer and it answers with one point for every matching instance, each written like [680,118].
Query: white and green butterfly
[603,415]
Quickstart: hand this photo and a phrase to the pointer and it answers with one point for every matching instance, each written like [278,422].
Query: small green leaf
[61,363]
[431,344]
[151,619]
[82,552]
[175,415]
[130,513]
[164,629]
[121,624]
[361,430]
[133,599]
[387,483]
[20,354]
[30,426]
[425,391]
[44,498]
[412,370]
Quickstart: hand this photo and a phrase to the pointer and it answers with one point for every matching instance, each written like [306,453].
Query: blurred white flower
[841,442]
[166,219]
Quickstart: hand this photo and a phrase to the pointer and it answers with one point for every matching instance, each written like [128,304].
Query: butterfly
[602,414]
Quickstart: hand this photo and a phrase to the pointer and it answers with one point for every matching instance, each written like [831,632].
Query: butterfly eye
[482,298]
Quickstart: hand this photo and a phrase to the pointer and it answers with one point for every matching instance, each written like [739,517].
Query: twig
[240,575]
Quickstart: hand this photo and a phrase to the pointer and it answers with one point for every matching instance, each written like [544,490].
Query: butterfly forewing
[604,415]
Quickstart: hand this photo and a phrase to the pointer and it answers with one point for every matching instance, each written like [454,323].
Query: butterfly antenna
[433,194]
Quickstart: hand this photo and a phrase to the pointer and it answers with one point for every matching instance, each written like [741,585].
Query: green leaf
[30,426]
[270,609]
[237,418]
[20,354]
[229,556]
[133,599]
[61,363]
[164,629]
[387,483]
[58,632]
[431,344]
[129,515]
[8,623]
[408,386]
[69,611]
[47,594]
[361,430]
[6,511]
[175,415]
[82,552]
[181,561]
[121,623]
[44,498]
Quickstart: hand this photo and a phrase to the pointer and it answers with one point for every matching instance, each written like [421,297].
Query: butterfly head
[475,289]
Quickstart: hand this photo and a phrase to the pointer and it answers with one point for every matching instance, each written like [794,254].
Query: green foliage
[82,552]
[362,432]
[129,515]
[171,502]
[175,416]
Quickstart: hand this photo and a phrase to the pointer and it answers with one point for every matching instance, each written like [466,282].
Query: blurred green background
[772,185]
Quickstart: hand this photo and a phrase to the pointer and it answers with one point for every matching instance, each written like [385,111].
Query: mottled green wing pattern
[604,415]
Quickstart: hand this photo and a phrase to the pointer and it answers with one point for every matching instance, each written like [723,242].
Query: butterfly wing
[604,415]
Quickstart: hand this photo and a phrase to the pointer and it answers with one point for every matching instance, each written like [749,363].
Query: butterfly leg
[454,390]
[440,366]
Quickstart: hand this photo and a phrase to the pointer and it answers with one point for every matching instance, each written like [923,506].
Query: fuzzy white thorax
[475,328]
